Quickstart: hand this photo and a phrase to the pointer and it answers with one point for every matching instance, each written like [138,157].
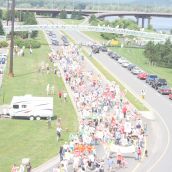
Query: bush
[27,43]
[3,44]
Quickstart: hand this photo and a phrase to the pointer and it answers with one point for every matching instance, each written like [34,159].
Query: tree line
[159,54]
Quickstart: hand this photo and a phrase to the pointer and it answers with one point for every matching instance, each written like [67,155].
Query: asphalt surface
[160,128]
[48,167]
[159,144]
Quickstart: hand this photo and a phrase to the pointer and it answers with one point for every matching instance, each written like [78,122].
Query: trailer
[31,107]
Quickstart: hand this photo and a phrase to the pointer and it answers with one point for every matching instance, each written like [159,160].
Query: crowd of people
[107,119]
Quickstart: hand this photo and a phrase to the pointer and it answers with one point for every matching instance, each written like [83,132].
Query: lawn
[33,139]
[95,36]
[72,21]
[136,56]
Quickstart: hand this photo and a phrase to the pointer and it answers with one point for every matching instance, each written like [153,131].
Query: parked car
[164,89]
[136,71]
[95,49]
[151,78]
[131,66]
[103,48]
[121,60]
[55,42]
[125,64]
[117,57]
[170,96]
[142,75]
[110,53]
[158,82]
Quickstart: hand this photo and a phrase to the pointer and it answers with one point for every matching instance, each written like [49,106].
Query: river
[158,23]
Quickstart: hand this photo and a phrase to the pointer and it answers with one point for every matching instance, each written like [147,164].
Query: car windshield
[153,76]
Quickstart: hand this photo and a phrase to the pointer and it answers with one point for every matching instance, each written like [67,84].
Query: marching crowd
[107,119]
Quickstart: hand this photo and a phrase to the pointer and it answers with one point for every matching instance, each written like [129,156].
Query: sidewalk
[47,166]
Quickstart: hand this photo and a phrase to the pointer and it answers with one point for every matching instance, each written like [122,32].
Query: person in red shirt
[124,111]
[60,94]
[14,168]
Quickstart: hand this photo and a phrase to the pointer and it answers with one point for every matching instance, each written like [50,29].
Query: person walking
[143,94]
[14,168]
[28,167]
[58,132]
[30,49]
[49,122]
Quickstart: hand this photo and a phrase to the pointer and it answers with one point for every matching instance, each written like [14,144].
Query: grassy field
[72,21]
[95,36]
[33,139]
[136,56]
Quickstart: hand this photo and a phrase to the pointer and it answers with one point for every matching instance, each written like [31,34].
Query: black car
[110,53]
[158,82]
[151,78]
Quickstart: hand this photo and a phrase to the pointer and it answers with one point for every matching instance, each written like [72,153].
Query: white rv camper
[31,107]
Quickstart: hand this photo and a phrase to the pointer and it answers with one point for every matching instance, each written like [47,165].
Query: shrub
[27,43]
[3,44]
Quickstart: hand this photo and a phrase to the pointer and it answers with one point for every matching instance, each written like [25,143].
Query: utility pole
[11,74]
[8,5]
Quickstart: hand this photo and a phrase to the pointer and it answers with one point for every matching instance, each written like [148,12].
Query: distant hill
[152,2]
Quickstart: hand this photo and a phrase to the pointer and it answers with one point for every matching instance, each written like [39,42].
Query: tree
[92,18]
[63,14]
[1,28]
[150,52]
[1,14]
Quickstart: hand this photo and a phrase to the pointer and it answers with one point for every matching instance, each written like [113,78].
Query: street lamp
[11,74]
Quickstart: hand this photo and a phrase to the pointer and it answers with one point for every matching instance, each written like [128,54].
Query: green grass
[72,21]
[96,36]
[136,56]
[33,139]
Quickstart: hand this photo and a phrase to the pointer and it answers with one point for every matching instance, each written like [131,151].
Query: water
[158,23]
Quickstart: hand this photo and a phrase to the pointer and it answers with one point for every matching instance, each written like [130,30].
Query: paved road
[160,149]
[48,166]
[161,127]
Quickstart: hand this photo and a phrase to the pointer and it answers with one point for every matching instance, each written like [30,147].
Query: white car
[125,64]
[136,71]
[120,61]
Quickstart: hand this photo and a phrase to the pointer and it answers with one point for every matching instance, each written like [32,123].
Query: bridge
[101,13]
[148,35]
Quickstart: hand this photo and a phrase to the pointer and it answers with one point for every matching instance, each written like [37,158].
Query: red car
[170,96]
[164,89]
[142,75]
